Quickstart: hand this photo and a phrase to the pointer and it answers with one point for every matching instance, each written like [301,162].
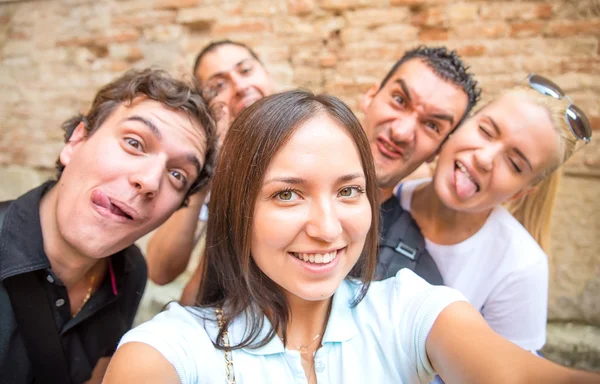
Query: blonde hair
[534,210]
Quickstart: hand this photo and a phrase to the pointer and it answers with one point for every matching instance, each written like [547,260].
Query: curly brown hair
[158,85]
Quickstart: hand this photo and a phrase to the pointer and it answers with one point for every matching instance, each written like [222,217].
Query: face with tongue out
[312,214]
[496,155]
[127,177]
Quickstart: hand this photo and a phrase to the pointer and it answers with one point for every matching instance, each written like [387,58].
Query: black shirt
[85,338]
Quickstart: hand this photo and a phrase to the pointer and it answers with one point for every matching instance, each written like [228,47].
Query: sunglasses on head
[579,123]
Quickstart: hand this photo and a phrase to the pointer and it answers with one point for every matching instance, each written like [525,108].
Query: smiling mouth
[316,258]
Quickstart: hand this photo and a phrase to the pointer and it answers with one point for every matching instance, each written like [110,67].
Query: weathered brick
[376,17]
[434,34]
[461,13]
[515,11]
[471,50]
[245,25]
[527,29]
[145,18]
[567,28]
[175,4]
[397,32]
[300,7]
[327,60]
[339,5]
[434,16]
[485,30]
[263,8]
[199,17]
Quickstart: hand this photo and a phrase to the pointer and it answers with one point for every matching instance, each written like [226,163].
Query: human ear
[368,97]
[77,137]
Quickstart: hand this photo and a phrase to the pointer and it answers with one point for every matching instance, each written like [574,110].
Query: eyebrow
[221,73]
[438,116]
[522,156]
[496,128]
[404,87]
[299,180]
[148,123]
[517,150]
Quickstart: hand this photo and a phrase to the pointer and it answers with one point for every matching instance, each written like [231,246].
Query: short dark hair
[154,84]
[231,279]
[219,43]
[446,64]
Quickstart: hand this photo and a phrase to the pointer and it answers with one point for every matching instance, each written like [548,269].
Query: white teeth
[465,171]
[316,258]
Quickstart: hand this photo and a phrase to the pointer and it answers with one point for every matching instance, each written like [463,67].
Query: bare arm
[463,349]
[190,292]
[140,363]
[171,246]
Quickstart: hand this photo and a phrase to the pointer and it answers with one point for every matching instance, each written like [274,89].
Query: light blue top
[381,340]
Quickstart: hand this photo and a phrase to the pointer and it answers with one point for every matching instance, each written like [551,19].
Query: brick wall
[54,55]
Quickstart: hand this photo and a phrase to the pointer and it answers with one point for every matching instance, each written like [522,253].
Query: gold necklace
[87,296]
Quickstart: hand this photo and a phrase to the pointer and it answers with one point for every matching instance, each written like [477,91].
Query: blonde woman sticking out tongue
[506,153]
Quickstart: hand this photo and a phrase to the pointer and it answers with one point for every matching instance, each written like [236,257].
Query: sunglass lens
[579,123]
[546,87]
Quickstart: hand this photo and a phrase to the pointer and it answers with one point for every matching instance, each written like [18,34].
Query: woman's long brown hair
[231,278]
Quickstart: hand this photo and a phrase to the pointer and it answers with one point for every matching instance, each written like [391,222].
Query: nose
[146,180]
[402,130]
[324,223]
[239,83]
[484,157]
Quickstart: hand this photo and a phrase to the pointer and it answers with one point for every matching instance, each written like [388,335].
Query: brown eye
[133,143]
[286,195]
[346,192]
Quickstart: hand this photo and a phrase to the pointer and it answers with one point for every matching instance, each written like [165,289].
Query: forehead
[317,142]
[527,125]
[221,59]
[429,89]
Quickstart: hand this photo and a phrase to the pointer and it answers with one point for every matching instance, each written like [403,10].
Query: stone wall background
[55,54]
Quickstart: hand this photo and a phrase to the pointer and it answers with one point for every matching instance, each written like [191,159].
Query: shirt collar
[341,325]
[21,242]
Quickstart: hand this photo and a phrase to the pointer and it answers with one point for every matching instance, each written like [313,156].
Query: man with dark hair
[231,76]
[230,72]
[407,117]
[71,278]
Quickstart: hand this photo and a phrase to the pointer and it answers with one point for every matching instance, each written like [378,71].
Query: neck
[307,323]
[66,262]
[385,193]
[441,224]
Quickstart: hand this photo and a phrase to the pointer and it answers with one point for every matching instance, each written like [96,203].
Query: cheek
[276,228]
[356,221]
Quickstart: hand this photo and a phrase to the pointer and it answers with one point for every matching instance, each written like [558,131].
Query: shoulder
[181,336]
[520,245]
[406,295]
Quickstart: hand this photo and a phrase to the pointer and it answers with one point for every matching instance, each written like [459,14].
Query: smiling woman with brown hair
[286,294]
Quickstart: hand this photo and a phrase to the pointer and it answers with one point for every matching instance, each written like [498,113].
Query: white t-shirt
[380,340]
[501,270]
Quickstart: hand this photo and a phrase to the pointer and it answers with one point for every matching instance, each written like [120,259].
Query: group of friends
[324,261]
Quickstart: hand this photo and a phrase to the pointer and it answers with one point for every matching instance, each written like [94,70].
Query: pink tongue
[465,188]
[100,199]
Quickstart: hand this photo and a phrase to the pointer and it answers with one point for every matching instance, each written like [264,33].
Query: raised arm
[463,349]
[140,363]
[171,246]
